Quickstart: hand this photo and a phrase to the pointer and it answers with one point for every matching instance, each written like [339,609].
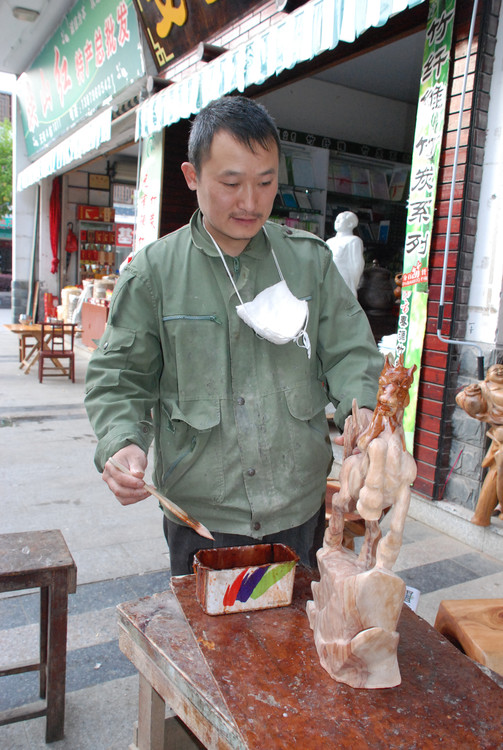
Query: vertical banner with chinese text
[423,187]
[148,200]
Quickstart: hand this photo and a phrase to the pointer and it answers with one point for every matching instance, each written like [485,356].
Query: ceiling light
[25,14]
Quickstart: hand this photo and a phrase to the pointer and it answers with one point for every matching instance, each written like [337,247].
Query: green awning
[314,28]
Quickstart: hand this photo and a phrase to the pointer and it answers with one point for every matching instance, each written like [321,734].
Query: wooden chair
[475,627]
[56,344]
[41,559]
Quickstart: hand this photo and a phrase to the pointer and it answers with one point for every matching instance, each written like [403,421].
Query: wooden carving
[357,602]
[484,401]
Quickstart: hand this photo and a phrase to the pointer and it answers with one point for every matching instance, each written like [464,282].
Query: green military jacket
[241,437]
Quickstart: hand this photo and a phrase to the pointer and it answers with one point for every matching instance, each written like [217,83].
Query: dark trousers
[184,542]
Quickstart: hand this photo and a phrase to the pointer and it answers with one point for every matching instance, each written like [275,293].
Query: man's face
[235,190]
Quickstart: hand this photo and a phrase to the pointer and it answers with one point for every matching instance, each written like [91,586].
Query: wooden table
[253,680]
[29,354]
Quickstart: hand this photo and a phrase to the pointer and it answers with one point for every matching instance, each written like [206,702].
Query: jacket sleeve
[122,381]
[350,361]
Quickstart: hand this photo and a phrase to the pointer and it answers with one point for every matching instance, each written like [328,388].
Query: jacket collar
[258,247]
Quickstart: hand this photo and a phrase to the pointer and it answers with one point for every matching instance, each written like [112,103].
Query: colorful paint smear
[252,584]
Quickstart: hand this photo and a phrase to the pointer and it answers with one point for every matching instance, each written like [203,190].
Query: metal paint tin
[240,579]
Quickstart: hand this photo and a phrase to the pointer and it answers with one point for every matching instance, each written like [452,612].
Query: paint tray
[240,579]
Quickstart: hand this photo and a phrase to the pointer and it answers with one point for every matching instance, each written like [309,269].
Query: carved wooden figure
[358,600]
[484,401]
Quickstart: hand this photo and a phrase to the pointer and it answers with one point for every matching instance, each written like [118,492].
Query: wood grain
[476,627]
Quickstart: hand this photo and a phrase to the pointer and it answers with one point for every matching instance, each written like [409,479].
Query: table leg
[56,658]
[151,711]
[31,362]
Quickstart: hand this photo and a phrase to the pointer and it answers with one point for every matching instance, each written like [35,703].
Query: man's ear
[190,175]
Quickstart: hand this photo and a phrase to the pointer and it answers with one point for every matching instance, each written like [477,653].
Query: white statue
[347,249]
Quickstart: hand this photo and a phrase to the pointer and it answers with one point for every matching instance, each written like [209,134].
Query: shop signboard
[423,187]
[95,213]
[124,234]
[174,27]
[348,148]
[94,54]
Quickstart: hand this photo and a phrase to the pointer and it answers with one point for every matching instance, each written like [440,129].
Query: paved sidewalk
[49,481]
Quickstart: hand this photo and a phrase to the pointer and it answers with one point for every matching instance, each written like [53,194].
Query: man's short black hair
[246,120]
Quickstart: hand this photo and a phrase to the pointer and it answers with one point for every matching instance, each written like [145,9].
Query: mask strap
[227,267]
[225,264]
[302,339]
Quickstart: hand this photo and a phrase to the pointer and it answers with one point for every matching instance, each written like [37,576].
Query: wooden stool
[41,559]
[475,626]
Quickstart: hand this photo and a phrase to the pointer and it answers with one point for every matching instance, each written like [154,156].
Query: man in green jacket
[232,393]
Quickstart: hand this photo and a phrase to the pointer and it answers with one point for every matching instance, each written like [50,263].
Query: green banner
[93,55]
[423,188]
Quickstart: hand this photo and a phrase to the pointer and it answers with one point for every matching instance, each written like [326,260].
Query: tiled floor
[48,481]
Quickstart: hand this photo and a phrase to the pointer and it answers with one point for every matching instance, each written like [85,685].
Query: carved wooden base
[354,614]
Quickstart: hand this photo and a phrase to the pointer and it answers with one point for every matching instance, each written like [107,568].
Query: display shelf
[302,189]
[376,191]
[96,248]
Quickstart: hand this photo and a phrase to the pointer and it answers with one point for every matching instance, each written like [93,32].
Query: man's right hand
[127,490]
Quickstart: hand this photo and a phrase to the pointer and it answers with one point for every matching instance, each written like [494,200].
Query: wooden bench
[475,626]
[41,559]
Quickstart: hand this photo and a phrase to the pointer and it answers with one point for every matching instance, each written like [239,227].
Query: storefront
[324,73]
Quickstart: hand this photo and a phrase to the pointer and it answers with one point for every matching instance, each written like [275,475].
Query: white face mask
[275,314]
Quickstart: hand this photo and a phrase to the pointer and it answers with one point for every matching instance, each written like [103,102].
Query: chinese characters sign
[423,187]
[148,207]
[174,27]
[93,55]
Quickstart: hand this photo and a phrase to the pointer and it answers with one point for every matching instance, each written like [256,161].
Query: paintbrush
[168,504]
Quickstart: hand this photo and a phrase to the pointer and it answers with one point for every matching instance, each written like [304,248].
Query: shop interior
[362,111]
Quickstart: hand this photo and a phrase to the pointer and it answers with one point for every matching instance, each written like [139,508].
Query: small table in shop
[28,352]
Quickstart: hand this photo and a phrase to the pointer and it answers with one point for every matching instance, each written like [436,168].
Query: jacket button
[251,472]
[256,526]
[145,429]
[288,231]
[240,401]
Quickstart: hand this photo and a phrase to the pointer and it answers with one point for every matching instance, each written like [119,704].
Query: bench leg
[44,631]
[151,710]
[56,658]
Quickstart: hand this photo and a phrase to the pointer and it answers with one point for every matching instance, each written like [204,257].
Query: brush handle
[167,504]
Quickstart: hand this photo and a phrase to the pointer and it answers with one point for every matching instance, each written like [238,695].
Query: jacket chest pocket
[196,348]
